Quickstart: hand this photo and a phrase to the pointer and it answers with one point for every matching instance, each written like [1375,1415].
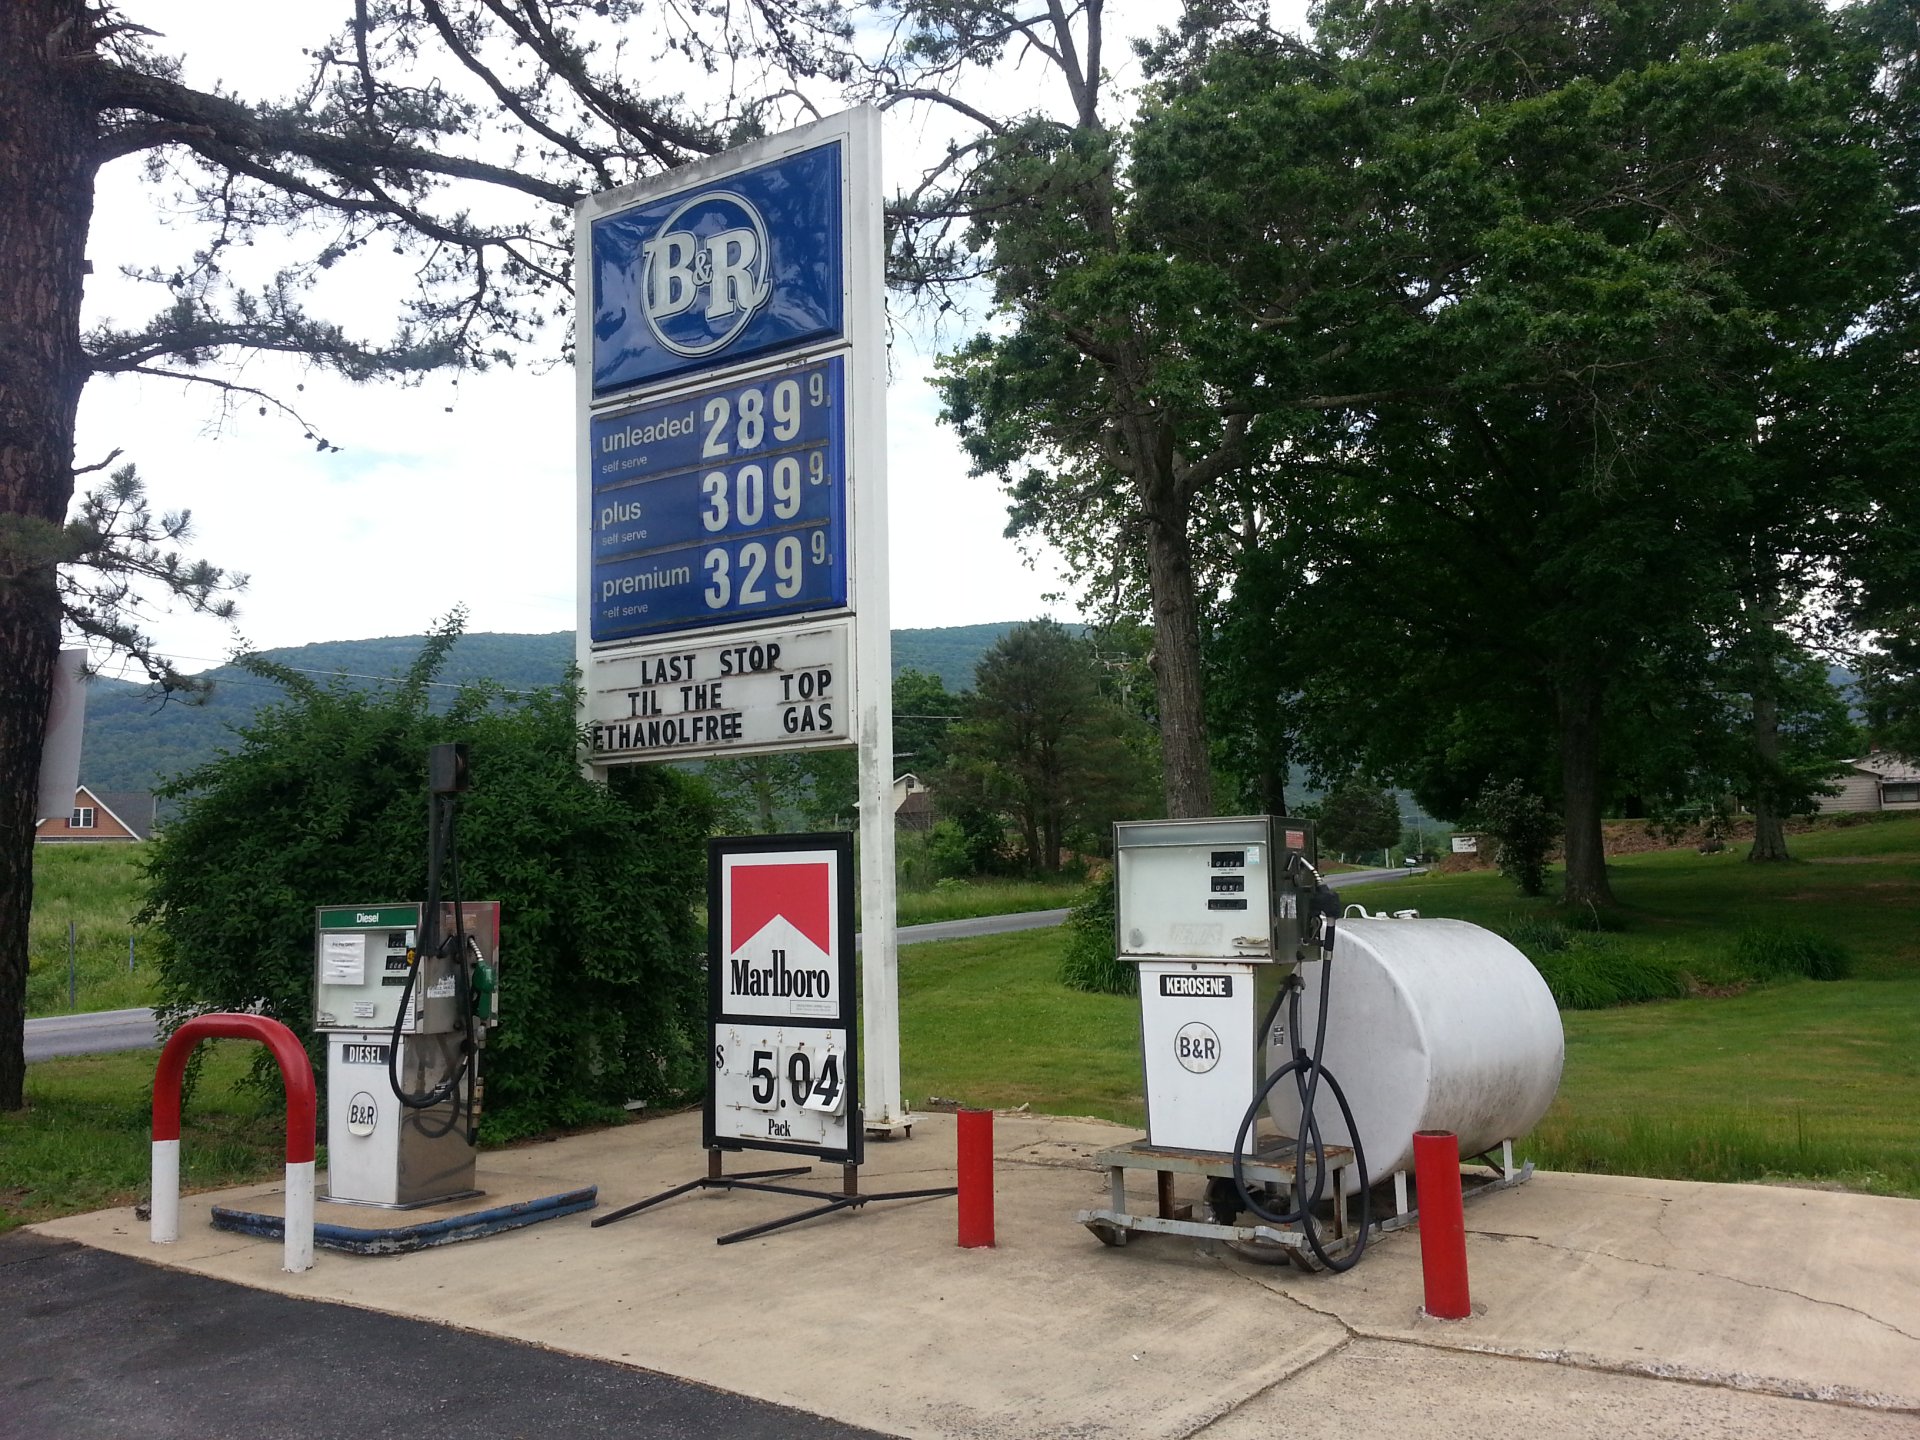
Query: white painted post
[298,1252]
[163,1210]
[873,644]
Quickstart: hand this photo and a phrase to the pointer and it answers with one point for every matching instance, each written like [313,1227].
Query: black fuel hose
[1307,1072]
[450,1088]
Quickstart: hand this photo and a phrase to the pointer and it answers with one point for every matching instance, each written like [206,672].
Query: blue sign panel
[727,505]
[744,267]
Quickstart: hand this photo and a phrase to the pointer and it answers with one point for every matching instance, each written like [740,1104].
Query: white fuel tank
[1431,1025]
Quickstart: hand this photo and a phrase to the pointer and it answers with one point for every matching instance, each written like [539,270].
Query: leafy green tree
[1885,399]
[1084,401]
[457,133]
[1042,748]
[1581,265]
[1357,817]
[322,800]
[1892,684]
[766,794]
[924,712]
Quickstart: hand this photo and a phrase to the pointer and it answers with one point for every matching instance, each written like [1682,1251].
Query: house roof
[132,808]
[1888,768]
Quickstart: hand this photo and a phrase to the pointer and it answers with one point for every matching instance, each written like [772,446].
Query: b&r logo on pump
[739,268]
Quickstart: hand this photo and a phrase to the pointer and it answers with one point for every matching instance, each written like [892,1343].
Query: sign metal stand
[850,1197]
[782,1024]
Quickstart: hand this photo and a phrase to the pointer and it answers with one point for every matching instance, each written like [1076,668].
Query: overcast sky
[445,494]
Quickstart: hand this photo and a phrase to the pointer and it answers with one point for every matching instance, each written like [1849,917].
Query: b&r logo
[705,273]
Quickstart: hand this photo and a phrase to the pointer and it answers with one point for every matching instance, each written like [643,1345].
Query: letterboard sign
[782,1011]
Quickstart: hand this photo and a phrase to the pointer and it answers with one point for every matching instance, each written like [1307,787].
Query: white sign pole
[873,639]
[659,684]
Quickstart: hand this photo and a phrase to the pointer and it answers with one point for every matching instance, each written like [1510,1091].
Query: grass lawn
[1798,1080]
[82,1143]
[1805,1081]
[986,1023]
[1859,884]
[97,888]
[966,899]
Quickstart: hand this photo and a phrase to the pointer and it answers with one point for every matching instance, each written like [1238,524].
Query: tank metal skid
[1271,1166]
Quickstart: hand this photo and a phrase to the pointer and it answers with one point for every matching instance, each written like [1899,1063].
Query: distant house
[913,807]
[1876,782]
[101,815]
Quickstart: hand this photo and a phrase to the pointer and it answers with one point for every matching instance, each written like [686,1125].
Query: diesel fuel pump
[406,993]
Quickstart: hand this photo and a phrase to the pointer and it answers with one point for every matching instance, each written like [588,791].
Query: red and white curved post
[295,1069]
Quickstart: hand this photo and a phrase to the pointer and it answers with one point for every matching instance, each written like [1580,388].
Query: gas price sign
[781,997]
[726,505]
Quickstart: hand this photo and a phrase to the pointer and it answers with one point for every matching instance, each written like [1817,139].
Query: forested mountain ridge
[134,742]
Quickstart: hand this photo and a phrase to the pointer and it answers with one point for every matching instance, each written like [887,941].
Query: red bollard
[1443,1224]
[976,1178]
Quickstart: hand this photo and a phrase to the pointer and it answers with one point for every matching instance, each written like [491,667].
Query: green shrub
[1524,828]
[1538,935]
[1774,952]
[1593,974]
[322,800]
[1090,962]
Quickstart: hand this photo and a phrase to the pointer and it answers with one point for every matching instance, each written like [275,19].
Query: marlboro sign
[780,936]
[780,963]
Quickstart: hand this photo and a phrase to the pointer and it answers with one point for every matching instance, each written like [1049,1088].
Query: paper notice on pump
[343,960]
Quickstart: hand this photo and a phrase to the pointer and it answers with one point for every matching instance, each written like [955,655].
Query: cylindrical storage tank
[1431,1025]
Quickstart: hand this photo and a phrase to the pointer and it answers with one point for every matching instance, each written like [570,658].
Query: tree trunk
[1769,835]
[46,201]
[1273,789]
[1578,703]
[1186,767]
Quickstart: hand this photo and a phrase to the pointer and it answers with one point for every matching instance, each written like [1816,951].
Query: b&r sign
[721,385]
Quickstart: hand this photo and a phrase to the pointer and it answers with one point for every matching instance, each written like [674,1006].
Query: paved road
[98,1345]
[93,1034]
[109,1030]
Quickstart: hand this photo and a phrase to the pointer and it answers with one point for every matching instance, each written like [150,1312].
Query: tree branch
[248,133]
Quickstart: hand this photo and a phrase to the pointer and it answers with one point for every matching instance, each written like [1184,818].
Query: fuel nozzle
[1318,907]
[1326,908]
[485,984]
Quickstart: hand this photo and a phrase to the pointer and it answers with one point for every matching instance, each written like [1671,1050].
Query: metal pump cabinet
[379,1150]
[1216,916]
[1206,909]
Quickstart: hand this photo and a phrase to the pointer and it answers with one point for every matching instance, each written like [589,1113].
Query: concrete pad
[1784,1291]
[1378,1388]
[878,1319]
